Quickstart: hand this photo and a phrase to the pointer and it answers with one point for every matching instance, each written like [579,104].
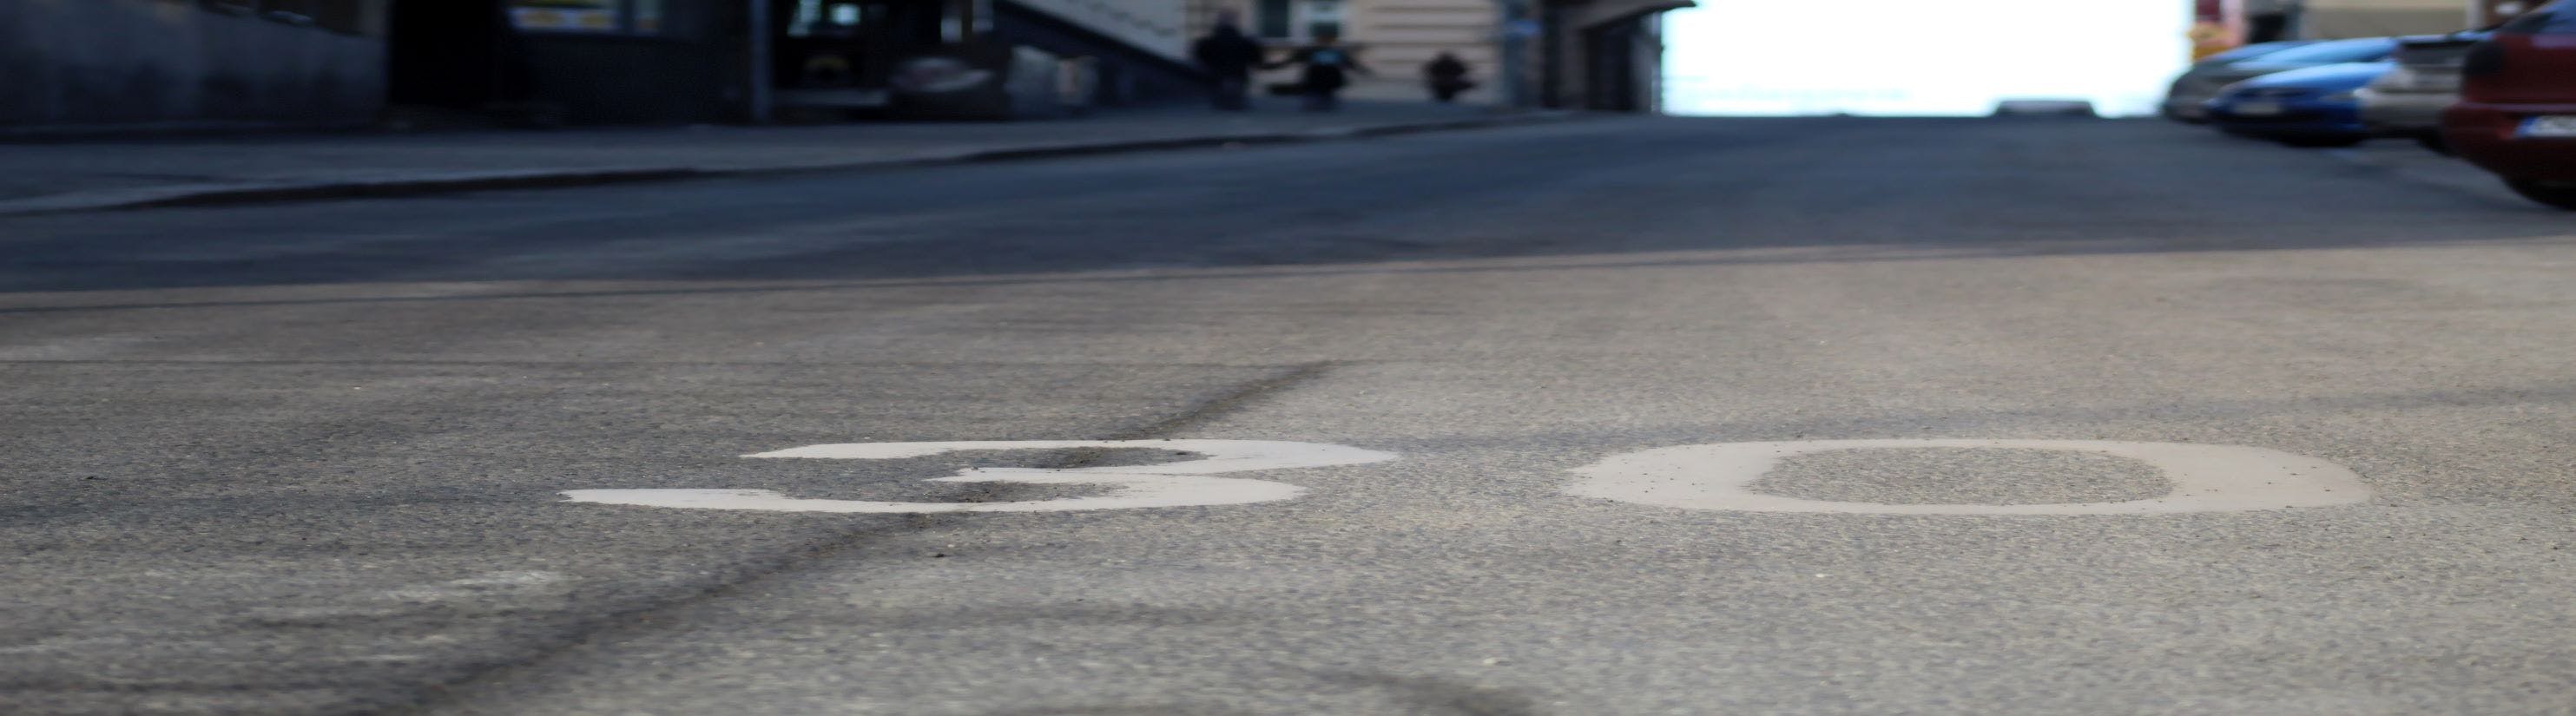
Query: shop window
[1296,20]
[1276,19]
[619,17]
[827,19]
[1323,17]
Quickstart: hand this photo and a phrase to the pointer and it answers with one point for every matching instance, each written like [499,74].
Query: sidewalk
[96,175]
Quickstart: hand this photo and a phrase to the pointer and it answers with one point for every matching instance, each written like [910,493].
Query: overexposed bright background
[1920,57]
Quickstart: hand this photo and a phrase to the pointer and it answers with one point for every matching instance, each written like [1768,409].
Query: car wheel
[2435,142]
[2323,141]
[2557,194]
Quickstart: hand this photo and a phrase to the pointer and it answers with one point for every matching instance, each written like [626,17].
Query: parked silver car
[2409,100]
[2199,85]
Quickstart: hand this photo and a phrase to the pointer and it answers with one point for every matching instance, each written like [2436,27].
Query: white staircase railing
[1161,27]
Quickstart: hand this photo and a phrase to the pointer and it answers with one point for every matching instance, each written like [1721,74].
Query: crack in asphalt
[639,617]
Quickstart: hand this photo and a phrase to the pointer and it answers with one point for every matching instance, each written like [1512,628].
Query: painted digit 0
[2205,478]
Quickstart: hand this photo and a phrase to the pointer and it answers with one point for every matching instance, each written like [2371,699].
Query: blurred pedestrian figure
[1230,56]
[1328,69]
[1447,76]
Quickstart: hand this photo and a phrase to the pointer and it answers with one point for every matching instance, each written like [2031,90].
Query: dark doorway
[1610,53]
[2267,27]
[453,54]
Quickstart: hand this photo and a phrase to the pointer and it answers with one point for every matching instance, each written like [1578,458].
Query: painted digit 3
[1189,483]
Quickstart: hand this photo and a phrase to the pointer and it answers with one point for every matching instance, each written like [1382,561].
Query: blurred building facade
[84,65]
[109,65]
[1604,54]
[1593,54]
[1139,49]
[2227,23]
[140,65]
[117,65]
[597,61]
[2335,19]
[2489,13]
[1395,38]
[2268,20]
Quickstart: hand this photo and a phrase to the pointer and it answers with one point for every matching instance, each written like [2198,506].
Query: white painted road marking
[2206,478]
[1177,484]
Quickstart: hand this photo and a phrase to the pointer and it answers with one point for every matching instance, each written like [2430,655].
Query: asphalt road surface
[1606,417]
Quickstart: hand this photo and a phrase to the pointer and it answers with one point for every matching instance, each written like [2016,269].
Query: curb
[456,183]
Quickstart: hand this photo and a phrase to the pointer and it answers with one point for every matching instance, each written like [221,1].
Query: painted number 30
[2205,478]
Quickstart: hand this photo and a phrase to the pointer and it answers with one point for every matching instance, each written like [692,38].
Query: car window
[2557,19]
[2371,49]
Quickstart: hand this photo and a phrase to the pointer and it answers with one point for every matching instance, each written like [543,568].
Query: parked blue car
[2313,107]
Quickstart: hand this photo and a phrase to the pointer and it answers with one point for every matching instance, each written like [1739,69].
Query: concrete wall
[105,64]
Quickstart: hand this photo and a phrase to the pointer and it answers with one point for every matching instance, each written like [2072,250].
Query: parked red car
[2517,110]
